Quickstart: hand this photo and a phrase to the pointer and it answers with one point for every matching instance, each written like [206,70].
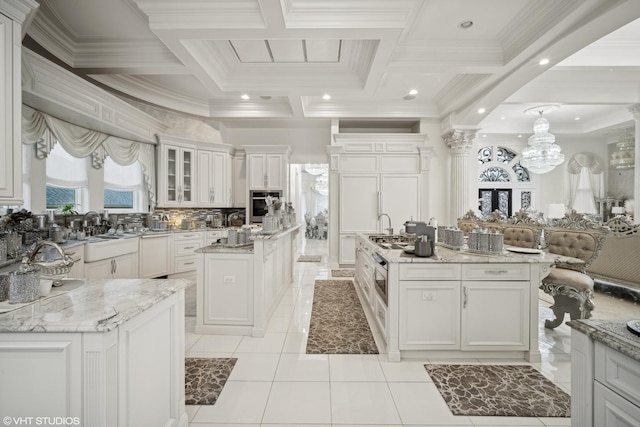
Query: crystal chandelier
[543,154]
[624,157]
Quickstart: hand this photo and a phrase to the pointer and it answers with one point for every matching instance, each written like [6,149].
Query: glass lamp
[624,156]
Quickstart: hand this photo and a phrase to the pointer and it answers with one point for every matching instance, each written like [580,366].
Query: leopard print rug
[205,378]
[499,390]
[338,323]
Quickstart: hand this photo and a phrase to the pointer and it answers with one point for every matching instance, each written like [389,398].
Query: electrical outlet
[428,296]
[229,279]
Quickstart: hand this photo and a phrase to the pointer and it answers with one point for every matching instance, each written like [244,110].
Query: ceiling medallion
[543,154]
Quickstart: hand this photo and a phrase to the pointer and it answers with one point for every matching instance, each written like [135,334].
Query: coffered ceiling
[200,57]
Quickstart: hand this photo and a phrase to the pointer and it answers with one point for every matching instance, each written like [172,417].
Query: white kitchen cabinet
[495,315]
[359,203]
[229,291]
[239,181]
[267,171]
[184,251]
[214,179]
[400,198]
[176,176]
[10,111]
[429,315]
[155,255]
[119,267]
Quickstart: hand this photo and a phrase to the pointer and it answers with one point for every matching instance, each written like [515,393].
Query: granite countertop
[446,255]
[218,248]
[277,235]
[90,305]
[612,333]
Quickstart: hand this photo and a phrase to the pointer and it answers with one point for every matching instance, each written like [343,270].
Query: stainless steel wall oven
[258,204]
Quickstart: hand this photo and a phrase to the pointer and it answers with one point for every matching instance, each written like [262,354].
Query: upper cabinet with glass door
[176,175]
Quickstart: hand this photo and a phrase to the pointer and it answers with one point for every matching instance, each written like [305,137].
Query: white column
[635,110]
[460,143]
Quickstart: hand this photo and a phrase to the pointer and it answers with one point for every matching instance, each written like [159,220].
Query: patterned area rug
[338,323]
[499,390]
[343,273]
[310,258]
[205,378]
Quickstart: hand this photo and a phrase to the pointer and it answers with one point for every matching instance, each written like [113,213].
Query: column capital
[460,141]
[635,110]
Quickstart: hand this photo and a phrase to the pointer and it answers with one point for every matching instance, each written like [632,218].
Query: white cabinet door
[400,196]
[155,255]
[495,315]
[359,203]
[274,164]
[204,192]
[177,176]
[10,105]
[125,266]
[257,172]
[220,185]
[228,290]
[347,249]
[239,181]
[429,315]
[99,269]
[612,410]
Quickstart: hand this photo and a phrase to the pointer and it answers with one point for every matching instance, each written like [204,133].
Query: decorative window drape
[585,181]
[43,131]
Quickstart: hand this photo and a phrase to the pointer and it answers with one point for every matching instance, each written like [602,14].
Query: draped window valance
[43,131]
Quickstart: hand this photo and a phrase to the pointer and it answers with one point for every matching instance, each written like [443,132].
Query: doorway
[492,199]
[312,203]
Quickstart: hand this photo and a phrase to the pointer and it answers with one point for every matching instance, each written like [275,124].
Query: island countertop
[90,305]
[612,333]
[446,255]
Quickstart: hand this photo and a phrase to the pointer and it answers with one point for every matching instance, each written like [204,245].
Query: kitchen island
[101,352]
[605,374]
[455,304]
[239,287]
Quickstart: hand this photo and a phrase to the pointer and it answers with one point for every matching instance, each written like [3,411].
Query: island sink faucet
[390,229]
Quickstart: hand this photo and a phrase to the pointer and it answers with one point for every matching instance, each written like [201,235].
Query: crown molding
[413,139]
[19,11]
[55,91]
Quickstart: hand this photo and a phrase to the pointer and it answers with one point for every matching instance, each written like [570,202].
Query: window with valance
[44,131]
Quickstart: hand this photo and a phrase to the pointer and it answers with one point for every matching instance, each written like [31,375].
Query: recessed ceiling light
[326,97]
[519,136]
[502,118]
[245,96]
[413,92]
[465,24]
[481,110]
[544,61]
[484,136]
[577,118]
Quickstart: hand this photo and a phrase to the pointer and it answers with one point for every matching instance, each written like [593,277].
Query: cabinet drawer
[380,313]
[618,372]
[609,409]
[193,236]
[186,248]
[185,263]
[495,272]
[429,271]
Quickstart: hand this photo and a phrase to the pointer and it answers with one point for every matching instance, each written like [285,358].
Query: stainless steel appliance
[381,274]
[258,204]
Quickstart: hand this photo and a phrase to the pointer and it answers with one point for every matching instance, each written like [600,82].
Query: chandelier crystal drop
[543,154]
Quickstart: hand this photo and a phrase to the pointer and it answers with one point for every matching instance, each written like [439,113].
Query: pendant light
[543,154]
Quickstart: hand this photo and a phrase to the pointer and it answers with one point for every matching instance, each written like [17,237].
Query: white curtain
[586,181]
[43,131]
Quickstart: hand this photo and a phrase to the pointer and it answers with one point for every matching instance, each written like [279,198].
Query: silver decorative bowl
[53,269]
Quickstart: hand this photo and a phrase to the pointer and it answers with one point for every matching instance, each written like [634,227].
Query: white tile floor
[274,383]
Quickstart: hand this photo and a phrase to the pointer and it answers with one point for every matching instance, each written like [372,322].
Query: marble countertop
[446,255]
[90,305]
[277,235]
[612,333]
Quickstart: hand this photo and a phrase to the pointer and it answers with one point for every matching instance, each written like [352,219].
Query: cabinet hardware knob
[464,292]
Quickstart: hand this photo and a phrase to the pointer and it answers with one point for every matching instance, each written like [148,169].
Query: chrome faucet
[84,218]
[390,229]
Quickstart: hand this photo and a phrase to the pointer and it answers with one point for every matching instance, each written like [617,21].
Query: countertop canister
[24,284]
